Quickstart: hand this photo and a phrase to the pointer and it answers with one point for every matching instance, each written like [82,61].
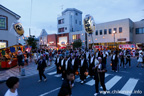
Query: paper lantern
[86,73]
[12,49]
[89,24]
[59,68]
[19,29]
[76,73]
[111,64]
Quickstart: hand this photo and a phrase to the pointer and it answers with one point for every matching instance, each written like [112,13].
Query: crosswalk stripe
[52,73]
[129,86]
[92,82]
[58,75]
[112,82]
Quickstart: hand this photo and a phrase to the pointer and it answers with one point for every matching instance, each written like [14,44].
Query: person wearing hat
[100,70]
[41,68]
[83,68]
[57,63]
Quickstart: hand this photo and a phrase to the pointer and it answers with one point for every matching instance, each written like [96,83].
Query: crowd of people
[88,62]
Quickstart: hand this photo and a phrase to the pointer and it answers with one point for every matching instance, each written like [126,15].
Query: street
[124,81]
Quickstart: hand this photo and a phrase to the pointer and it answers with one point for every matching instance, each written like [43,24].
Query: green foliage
[32,42]
[77,43]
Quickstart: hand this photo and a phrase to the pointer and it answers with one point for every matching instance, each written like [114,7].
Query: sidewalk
[30,70]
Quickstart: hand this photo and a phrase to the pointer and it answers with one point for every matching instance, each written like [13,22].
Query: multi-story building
[69,21]
[8,36]
[117,32]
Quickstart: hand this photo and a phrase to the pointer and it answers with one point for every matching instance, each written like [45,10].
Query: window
[96,32]
[115,29]
[75,37]
[65,28]
[61,21]
[3,23]
[100,32]
[76,13]
[61,29]
[120,29]
[139,30]
[76,21]
[110,31]
[79,22]
[105,31]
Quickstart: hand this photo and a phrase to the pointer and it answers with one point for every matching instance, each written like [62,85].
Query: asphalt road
[124,81]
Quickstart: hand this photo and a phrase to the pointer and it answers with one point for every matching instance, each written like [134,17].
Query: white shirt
[66,64]
[100,66]
[73,60]
[96,54]
[82,61]
[9,93]
[62,62]
[114,57]
[87,54]
[104,55]
[92,59]
[96,62]
[58,60]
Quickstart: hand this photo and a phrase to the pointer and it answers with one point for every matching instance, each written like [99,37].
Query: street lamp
[114,36]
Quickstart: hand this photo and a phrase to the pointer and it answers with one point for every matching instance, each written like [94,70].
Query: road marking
[92,82]
[129,86]
[52,73]
[112,82]
[50,91]
[58,75]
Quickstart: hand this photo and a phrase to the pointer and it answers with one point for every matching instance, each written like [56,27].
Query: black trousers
[128,61]
[122,62]
[64,74]
[41,73]
[100,78]
[91,71]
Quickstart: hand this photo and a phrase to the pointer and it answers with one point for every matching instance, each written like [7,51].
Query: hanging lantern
[86,73]
[76,73]
[19,29]
[89,24]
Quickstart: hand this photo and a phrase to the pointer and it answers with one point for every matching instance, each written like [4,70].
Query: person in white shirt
[140,59]
[12,83]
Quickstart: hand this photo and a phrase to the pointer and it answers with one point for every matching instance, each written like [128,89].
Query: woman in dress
[140,59]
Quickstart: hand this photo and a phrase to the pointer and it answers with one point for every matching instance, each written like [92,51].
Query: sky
[45,12]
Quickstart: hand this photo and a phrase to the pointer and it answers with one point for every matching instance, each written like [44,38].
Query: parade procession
[71,48]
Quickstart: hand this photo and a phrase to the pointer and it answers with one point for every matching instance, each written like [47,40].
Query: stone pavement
[30,70]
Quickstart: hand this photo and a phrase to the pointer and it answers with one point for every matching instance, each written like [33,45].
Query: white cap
[99,58]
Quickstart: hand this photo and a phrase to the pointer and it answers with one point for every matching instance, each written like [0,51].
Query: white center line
[50,91]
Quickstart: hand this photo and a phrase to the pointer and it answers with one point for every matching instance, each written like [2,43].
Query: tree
[32,42]
[77,43]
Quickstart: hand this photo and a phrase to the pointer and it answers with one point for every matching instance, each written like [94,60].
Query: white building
[7,33]
[126,32]
[70,21]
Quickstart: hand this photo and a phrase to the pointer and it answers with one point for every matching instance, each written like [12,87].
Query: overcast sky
[45,12]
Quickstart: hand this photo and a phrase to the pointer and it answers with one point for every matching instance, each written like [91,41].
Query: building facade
[69,21]
[8,36]
[43,38]
[117,32]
